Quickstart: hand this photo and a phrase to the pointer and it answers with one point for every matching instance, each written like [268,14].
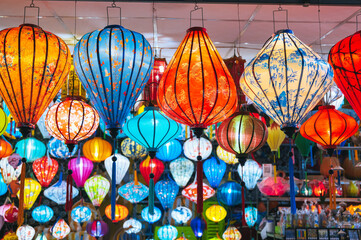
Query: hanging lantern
[251,216]
[250,173]
[166,191]
[5,147]
[58,191]
[121,165]
[134,191]
[151,218]
[9,173]
[132,225]
[181,214]
[121,212]
[97,149]
[216,213]
[60,229]
[214,169]
[306,190]
[97,228]
[230,193]
[133,150]
[14,160]
[104,76]
[226,156]
[149,166]
[10,213]
[334,96]
[193,147]
[235,66]
[72,87]
[231,233]
[182,170]
[81,168]
[81,214]
[275,136]
[10,236]
[32,190]
[34,65]
[71,120]
[151,88]
[41,236]
[273,187]
[45,169]
[59,149]
[42,214]
[169,151]
[25,232]
[97,187]
[191,192]
[198,226]
[3,186]
[319,189]
[30,148]
[329,127]
[4,121]
[167,232]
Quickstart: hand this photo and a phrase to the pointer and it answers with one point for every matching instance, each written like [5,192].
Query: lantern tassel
[151,194]
[22,189]
[311,155]
[292,181]
[69,191]
[244,223]
[199,185]
[114,187]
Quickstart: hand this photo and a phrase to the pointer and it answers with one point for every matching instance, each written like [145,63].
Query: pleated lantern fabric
[25,232]
[81,214]
[60,229]
[58,192]
[30,148]
[32,190]
[182,170]
[59,149]
[121,212]
[97,149]
[42,214]
[197,146]
[113,64]
[198,226]
[45,169]
[214,169]
[216,213]
[166,191]
[167,232]
[97,187]
[149,166]
[250,173]
[181,214]
[4,121]
[230,193]
[226,156]
[121,166]
[275,136]
[133,150]
[34,64]
[151,218]
[5,148]
[169,151]
[81,168]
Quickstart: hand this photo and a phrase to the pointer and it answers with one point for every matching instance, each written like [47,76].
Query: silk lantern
[166,191]
[9,212]
[97,149]
[275,136]
[132,225]
[151,88]
[195,146]
[230,193]
[169,151]
[167,232]
[250,173]
[121,165]
[251,216]
[3,186]
[9,173]
[334,96]
[154,166]
[42,214]
[45,169]
[4,121]
[182,170]
[32,190]
[121,212]
[191,192]
[198,226]
[226,156]
[151,218]
[181,214]
[214,169]
[81,214]
[133,150]
[97,228]
[232,233]
[58,149]
[25,232]
[34,64]
[97,187]
[113,88]
[60,229]
[216,213]
[81,168]
[134,191]
[58,192]
[30,148]
[41,236]
[5,148]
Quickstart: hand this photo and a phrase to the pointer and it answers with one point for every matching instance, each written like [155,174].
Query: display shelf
[275,236]
[301,199]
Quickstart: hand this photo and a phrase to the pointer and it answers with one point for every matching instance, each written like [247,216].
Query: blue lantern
[251,214]
[58,192]
[59,149]
[166,191]
[11,129]
[42,214]
[167,232]
[81,214]
[151,218]
[134,191]
[30,148]
[3,186]
[113,64]
[214,169]
[230,193]
[198,226]
[169,151]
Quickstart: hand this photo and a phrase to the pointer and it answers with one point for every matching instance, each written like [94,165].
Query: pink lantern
[269,187]
[82,168]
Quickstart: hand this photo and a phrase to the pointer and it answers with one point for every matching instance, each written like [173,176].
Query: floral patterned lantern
[121,212]
[32,190]
[230,193]
[149,166]
[45,169]
[30,148]
[226,156]
[250,173]
[42,214]
[133,150]
[151,218]
[216,213]
[60,229]
[96,188]
[97,149]
[9,173]
[59,149]
[167,232]
[232,233]
[190,192]
[195,146]
[251,216]
[214,169]
[81,214]
[198,226]
[134,191]
[121,165]
[81,168]
[132,225]
[169,151]
[182,170]
[5,147]
[166,191]
[97,228]
[181,214]
[25,232]
[58,192]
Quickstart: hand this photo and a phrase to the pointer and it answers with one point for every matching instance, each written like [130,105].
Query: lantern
[182,170]
[250,173]
[41,236]
[10,236]
[32,190]
[166,191]
[133,150]
[167,232]
[132,225]
[34,65]
[4,121]
[329,163]
[151,88]
[121,166]
[271,186]
[72,120]
[9,173]
[198,226]
[45,169]
[334,96]
[81,168]
[59,149]
[169,151]
[121,212]
[25,232]
[306,190]
[231,233]
[134,191]
[151,218]
[251,216]
[191,193]
[58,192]
[97,188]
[42,214]
[319,189]
[97,228]
[181,214]
[81,214]
[230,193]
[104,76]
[30,148]
[3,186]
[149,166]
[226,156]
[9,212]
[97,149]
[275,136]
[5,147]
[60,229]
[329,127]
[214,169]
[195,146]
[216,213]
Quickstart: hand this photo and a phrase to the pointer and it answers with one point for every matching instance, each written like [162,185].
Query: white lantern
[8,172]
[195,146]
[132,226]
[181,214]
[181,170]
[250,173]
[25,232]
[121,166]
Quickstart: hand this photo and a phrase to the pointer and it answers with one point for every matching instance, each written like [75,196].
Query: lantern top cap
[326,107]
[151,108]
[194,29]
[30,25]
[284,31]
[113,26]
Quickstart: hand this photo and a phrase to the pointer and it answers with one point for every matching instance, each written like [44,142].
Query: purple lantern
[97,228]
[82,168]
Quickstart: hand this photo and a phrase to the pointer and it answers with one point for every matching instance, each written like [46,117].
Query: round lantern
[167,232]
[251,216]
[9,173]
[81,214]
[121,166]
[133,150]
[42,214]
[149,166]
[32,190]
[195,146]
[97,187]
[4,121]
[232,233]
[151,218]
[81,169]
[182,170]
[25,232]
[327,164]
[250,173]
[329,127]
[113,88]
[198,226]
[59,149]
[230,193]
[181,214]
[121,212]
[97,228]
[45,169]
[34,65]
[58,192]
[169,151]
[166,191]
[132,225]
[216,213]
[60,229]
[30,148]
[191,192]
[275,136]
[5,147]
[226,156]
[97,149]
[214,169]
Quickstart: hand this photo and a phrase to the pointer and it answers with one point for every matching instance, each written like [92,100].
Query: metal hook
[196,8]
[112,7]
[280,9]
[32,5]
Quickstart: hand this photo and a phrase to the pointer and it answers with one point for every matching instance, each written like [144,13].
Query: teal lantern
[81,214]
[166,191]
[3,186]
[151,218]
[167,232]
[31,149]
[230,193]
[251,214]
[42,214]
[169,151]
[214,169]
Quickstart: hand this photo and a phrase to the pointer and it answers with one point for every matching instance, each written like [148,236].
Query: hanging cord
[114,183]
[114,6]
[319,27]
[196,8]
[155,31]
[31,6]
[239,32]
[280,9]
[292,180]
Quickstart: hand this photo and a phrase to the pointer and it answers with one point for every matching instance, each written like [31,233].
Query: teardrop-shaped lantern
[195,146]
[169,151]
[25,232]
[166,191]
[97,149]
[4,121]
[5,148]
[32,190]
[81,214]
[230,193]
[81,168]
[59,149]
[232,233]
[181,214]
[97,187]
[250,173]
[154,166]
[45,169]
[198,226]
[216,213]
[214,169]
[121,212]
[133,150]
[34,64]
[251,216]
[58,192]
[182,170]
[275,136]
[134,191]
[121,166]
[226,156]
[30,148]
[167,232]
[60,229]
[42,214]
[10,212]
[113,64]
[151,218]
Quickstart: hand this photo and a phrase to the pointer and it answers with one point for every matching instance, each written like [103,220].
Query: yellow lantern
[32,190]
[3,121]
[216,213]
[227,157]
[275,136]
[97,149]
[232,233]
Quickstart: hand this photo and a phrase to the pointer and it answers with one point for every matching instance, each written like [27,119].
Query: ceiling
[255,24]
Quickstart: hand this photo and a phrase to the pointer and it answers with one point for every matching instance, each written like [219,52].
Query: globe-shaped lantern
[250,173]
[97,149]
[121,212]
[58,192]
[169,151]
[59,149]
[97,187]
[42,214]
[216,213]
[195,146]
[45,169]
[251,216]
[198,226]
[133,150]
[30,148]
[181,214]
[25,232]
[167,232]
[71,120]
[4,121]
[32,190]
[81,168]
[149,166]
[113,88]
[230,193]
[132,225]
[81,214]
[121,166]
[34,64]
[214,169]
[5,147]
[182,170]
[9,173]
[232,233]
[151,218]
[97,228]
[166,191]
[226,156]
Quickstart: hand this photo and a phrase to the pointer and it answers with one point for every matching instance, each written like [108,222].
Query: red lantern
[149,166]
[235,66]
[319,189]
[121,212]
[5,148]
[45,169]
[151,88]
[329,127]
[11,215]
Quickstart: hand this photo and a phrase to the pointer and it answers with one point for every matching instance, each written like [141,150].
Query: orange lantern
[319,189]
[121,212]
[45,169]
[5,148]
[97,149]
[34,64]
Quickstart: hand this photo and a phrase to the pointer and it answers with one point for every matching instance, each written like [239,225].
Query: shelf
[275,235]
[302,199]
